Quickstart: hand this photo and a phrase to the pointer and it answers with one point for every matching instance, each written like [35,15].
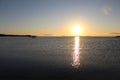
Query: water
[60,58]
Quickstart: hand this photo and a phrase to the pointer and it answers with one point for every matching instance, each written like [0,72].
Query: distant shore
[11,35]
[33,36]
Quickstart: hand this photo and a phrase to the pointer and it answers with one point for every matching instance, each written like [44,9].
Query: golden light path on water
[76,54]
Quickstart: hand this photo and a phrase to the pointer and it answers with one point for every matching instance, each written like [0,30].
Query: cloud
[47,34]
[106,9]
[115,33]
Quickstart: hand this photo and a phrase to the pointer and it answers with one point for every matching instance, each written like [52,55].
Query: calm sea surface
[60,58]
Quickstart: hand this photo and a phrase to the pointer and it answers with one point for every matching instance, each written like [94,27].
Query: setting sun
[77,30]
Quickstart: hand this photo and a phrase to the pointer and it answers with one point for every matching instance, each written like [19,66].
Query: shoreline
[11,35]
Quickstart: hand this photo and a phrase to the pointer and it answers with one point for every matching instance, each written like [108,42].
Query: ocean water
[59,58]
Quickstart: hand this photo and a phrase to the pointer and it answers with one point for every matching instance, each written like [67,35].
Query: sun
[77,30]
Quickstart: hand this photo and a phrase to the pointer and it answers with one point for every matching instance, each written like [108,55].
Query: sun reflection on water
[76,60]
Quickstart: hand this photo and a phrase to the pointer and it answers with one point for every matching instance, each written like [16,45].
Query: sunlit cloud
[47,34]
[106,9]
[115,33]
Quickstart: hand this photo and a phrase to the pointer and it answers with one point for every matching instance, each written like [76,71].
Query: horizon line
[59,35]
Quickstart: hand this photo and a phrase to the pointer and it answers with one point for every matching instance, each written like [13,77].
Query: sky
[58,17]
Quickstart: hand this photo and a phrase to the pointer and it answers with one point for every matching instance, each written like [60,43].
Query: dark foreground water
[59,58]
